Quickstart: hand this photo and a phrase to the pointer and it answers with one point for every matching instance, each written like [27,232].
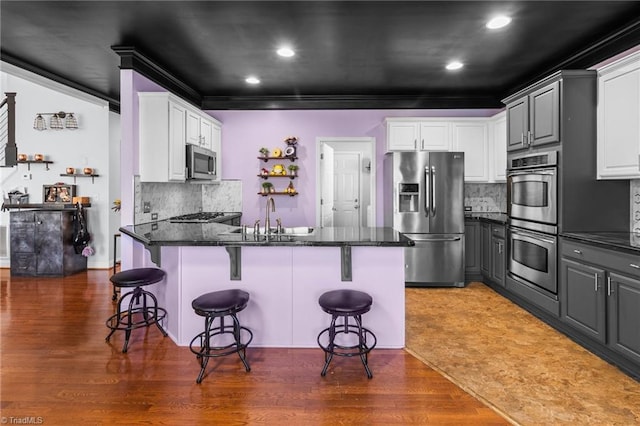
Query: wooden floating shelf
[76,175]
[265,159]
[30,162]
[291,194]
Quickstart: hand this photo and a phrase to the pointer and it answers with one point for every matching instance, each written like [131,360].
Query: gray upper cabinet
[535,114]
[534,118]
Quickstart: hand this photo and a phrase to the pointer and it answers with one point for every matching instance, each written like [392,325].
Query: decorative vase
[22,157]
[38,157]
[70,170]
[88,171]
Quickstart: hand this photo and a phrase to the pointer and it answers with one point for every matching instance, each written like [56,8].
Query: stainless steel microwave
[201,163]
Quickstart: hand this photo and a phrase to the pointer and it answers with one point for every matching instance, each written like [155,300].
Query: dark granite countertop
[495,217]
[41,206]
[164,233]
[627,241]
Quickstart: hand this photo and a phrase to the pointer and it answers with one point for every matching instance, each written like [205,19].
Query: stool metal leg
[362,347]
[236,335]
[205,347]
[328,355]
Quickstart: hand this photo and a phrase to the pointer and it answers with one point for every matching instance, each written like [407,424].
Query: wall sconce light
[56,122]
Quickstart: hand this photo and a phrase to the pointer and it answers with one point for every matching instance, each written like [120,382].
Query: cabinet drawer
[610,259]
[498,231]
[23,264]
[19,217]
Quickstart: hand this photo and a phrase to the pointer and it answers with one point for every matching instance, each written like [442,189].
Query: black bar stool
[346,304]
[220,304]
[148,309]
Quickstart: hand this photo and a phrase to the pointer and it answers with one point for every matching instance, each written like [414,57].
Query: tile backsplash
[174,199]
[486,197]
[634,208]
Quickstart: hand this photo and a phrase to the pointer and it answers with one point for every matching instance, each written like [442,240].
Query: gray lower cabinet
[472,250]
[485,249]
[493,254]
[600,295]
[41,244]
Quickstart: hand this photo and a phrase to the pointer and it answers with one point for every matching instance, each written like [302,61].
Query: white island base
[284,284]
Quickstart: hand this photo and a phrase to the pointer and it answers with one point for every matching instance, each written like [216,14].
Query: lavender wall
[244,132]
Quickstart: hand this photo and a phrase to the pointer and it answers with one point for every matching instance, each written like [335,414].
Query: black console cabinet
[41,243]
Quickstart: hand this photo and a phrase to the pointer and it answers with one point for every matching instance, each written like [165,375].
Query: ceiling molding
[349,102]
[616,42]
[62,82]
[132,59]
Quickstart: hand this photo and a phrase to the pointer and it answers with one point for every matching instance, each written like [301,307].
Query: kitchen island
[285,275]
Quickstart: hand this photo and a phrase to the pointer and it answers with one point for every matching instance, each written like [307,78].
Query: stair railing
[8,147]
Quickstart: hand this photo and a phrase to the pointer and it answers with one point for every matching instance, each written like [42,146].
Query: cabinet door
[193,135]
[517,124]
[485,249]
[619,120]
[624,315]
[206,136]
[177,138]
[402,136]
[471,138]
[22,237]
[583,299]
[472,247]
[49,250]
[499,142]
[435,136]
[498,260]
[544,115]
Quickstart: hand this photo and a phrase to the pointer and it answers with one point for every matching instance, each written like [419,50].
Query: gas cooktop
[202,217]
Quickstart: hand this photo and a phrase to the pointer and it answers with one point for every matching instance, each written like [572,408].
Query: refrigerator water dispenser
[408,198]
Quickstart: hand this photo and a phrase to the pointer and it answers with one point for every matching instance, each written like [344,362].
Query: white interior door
[346,193]
[326,173]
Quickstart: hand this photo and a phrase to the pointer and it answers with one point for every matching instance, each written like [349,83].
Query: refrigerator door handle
[433,190]
[427,192]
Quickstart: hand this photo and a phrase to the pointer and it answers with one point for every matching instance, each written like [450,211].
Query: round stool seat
[345,302]
[137,277]
[220,302]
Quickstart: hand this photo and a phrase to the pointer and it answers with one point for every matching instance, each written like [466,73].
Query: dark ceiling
[350,54]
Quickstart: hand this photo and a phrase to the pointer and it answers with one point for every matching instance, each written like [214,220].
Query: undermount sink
[292,231]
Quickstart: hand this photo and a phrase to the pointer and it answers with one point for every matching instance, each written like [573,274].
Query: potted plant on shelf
[264,151]
[267,187]
[293,169]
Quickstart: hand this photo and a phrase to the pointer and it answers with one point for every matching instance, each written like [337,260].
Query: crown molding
[19,68]
[132,59]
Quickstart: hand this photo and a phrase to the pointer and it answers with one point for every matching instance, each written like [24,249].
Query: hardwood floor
[56,367]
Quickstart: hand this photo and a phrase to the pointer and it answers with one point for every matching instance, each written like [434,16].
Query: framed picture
[58,193]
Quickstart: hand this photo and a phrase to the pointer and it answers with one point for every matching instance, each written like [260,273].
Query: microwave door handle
[427,192]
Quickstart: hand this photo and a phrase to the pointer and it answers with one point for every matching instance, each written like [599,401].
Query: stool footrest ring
[348,351]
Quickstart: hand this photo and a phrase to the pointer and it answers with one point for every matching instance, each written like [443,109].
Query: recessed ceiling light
[285,52]
[498,22]
[252,80]
[455,65]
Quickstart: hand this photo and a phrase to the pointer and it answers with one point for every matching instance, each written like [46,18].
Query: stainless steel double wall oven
[532,206]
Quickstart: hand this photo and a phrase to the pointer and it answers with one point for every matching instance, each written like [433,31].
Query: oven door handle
[533,235]
[533,172]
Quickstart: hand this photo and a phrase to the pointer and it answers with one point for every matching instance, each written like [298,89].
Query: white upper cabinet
[435,136]
[162,136]
[483,140]
[410,134]
[618,112]
[167,124]
[498,147]
[402,135]
[471,138]
[200,128]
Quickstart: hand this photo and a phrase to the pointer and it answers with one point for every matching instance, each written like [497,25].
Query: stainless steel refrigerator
[427,190]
